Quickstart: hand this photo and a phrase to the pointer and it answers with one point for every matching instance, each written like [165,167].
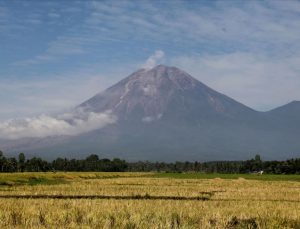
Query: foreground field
[148,200]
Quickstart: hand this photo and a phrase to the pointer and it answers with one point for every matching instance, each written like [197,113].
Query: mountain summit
[149,95]
[165,114]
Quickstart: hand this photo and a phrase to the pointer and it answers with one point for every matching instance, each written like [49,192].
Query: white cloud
[53,15]
[30,97]
[64,124]
[269,26]
[154,59]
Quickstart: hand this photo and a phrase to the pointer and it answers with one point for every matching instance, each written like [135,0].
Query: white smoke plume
[65,124]
[154,59]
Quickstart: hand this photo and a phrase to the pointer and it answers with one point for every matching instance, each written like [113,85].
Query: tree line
[95,164]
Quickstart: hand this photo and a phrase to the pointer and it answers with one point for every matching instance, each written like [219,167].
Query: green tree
[2,161]
[257,158]
[258,162]
[21,162]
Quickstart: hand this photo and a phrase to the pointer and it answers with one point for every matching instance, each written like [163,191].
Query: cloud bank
[154,59]
[64,124]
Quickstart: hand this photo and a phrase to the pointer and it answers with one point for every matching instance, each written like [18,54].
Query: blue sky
[56,54]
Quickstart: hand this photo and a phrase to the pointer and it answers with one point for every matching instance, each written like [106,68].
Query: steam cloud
[154,59]
[64,124]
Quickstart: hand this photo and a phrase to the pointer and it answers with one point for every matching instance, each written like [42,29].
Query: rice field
[148,200]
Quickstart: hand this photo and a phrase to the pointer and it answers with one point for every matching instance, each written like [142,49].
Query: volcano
[165,114]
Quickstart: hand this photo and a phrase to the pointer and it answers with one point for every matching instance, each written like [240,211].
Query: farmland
[148,200]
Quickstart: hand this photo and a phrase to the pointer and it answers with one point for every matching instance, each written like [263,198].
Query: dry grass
[236,203]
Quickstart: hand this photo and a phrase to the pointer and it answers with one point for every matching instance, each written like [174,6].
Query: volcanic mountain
[164,92]
[165,114]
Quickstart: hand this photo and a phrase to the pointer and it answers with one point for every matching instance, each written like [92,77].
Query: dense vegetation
[94,163]
[291,166]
